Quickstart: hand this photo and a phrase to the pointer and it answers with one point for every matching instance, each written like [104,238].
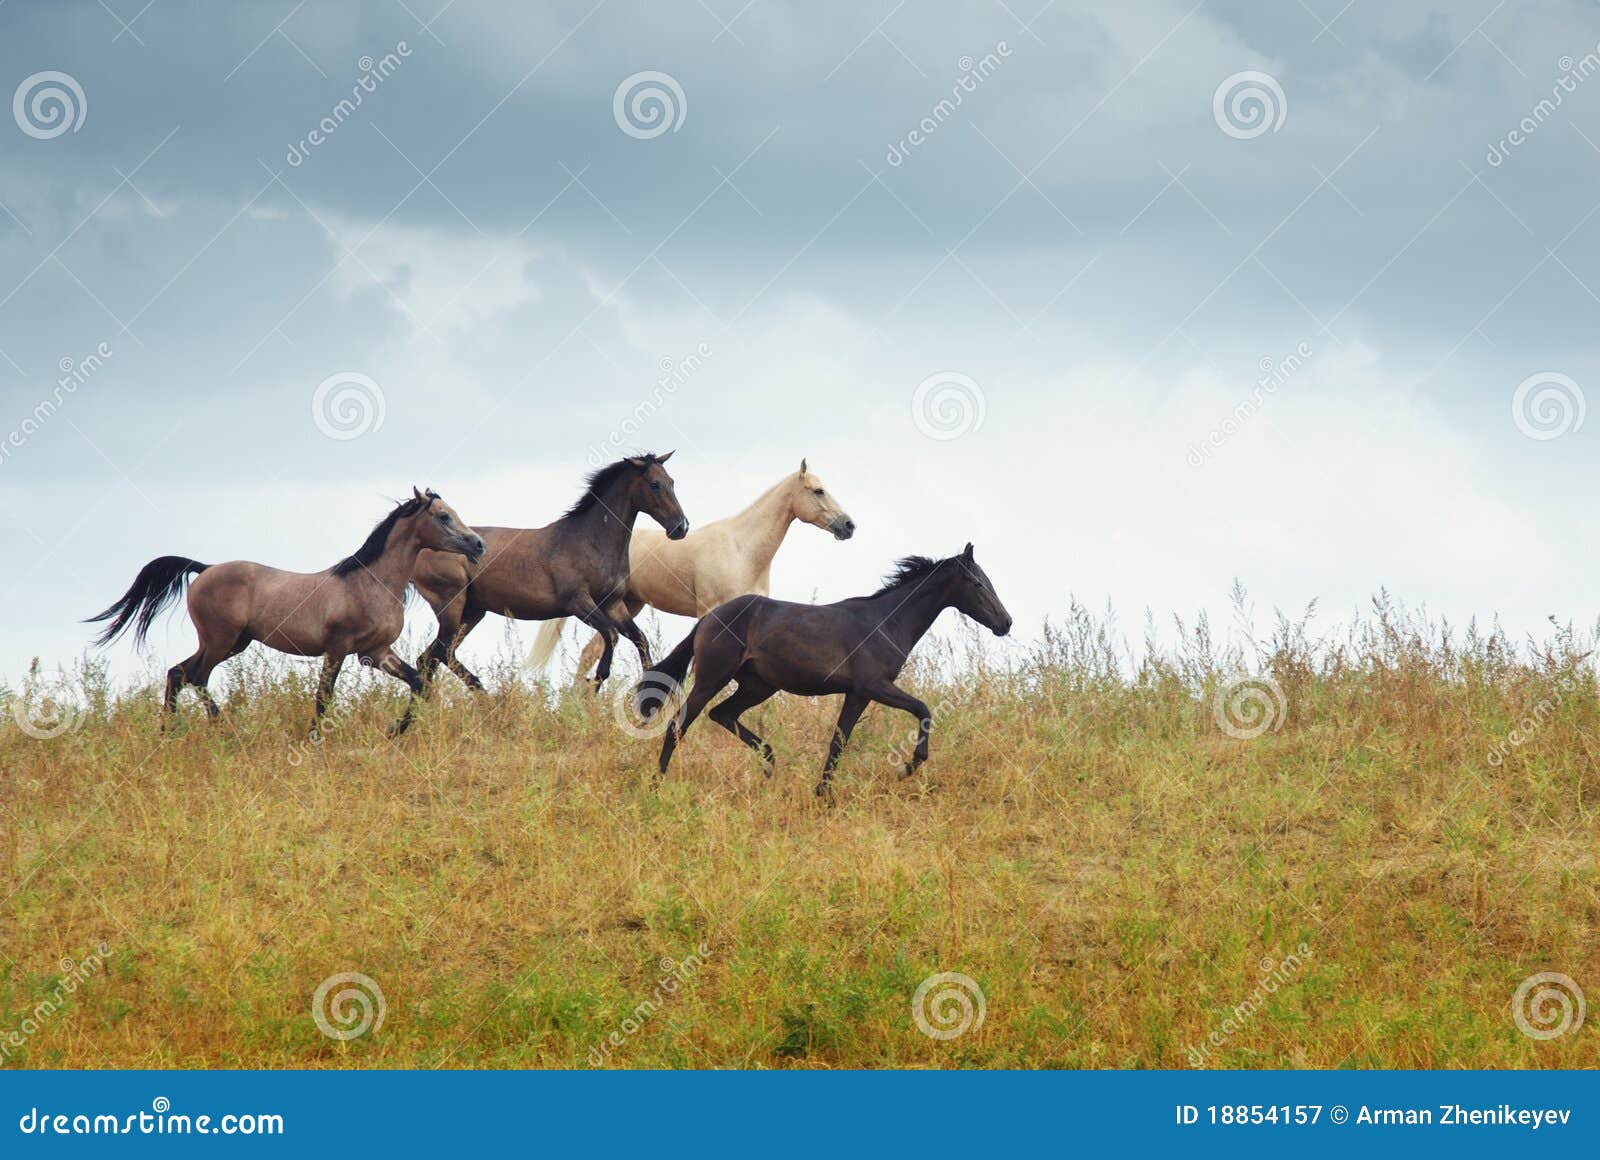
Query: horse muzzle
[678,530]
[473,548]
[843,529]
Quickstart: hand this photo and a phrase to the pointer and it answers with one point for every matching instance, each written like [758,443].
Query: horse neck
[393,569]
[607,524]
[763,525]
[909,611]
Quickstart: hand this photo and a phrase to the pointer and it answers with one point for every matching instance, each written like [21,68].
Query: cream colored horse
[714,563]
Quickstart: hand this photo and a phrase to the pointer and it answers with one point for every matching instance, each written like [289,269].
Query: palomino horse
[357,606]
[856,647]
[577,566]
[711,565]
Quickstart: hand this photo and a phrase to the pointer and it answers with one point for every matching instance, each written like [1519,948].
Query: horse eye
[655,486]
[817,491]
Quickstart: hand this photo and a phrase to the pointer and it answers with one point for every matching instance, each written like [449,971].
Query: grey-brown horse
[355,607]
[577,566]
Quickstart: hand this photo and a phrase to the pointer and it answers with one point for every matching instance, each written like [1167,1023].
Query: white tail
[544,645]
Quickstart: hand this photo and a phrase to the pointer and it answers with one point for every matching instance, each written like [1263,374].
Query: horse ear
[968,552]
[415,494]
[667,456]
[802,467]
[636,460]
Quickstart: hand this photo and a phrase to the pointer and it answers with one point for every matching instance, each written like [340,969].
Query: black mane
[367,554]
[909,570]
[602,478]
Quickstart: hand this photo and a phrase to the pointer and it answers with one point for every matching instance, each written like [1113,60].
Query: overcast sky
[1092,253]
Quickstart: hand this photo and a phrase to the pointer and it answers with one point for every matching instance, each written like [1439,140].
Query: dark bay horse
[856,647]
[355,607]
[577,566]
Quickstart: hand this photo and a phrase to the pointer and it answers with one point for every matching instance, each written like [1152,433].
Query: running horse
[576,566]
[856,647]
[713,564]
[355,607]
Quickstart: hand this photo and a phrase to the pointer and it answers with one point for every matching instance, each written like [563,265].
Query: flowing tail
[157,585]
[661,683]
[544,645]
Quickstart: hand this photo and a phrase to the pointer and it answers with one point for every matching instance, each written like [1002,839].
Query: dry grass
[1086,843]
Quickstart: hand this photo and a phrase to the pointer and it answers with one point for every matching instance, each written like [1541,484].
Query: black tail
[659,684]
[157,585]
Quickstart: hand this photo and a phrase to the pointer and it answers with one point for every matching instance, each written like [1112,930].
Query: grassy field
[1364,884]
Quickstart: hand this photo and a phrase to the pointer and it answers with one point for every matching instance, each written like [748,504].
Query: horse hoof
[908,771]
[398,728]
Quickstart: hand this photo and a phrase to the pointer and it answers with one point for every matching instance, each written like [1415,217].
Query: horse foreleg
[390,662]
[473,617]
[630,629]
[596,618]
[897,698]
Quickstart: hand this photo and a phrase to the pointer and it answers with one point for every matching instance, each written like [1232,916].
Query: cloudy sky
[1005,271]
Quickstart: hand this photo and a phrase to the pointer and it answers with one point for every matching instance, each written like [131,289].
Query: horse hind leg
[751,692]
[849,714]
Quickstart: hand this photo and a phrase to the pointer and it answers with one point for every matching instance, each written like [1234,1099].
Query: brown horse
[577,566]
[856,647]
[355,607]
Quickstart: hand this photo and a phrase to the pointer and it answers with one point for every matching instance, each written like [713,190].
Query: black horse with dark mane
[856,647]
